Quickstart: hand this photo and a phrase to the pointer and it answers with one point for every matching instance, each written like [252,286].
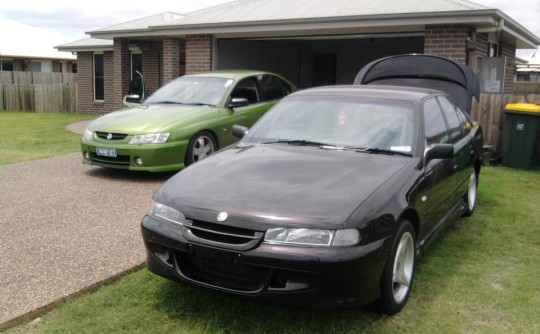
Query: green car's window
[192,91]
[247,89]
[272,88]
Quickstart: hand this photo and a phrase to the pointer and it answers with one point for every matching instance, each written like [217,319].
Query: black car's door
[459,129]
[435,196]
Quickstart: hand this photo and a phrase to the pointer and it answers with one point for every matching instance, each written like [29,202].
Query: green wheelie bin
[521,135]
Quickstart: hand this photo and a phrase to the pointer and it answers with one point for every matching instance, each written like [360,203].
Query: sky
[34,27]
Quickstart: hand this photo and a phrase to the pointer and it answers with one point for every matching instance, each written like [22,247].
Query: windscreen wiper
[299,142]
[376,150]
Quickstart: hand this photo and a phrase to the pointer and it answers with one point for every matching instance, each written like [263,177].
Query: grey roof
[87,44]
[271,18]
[143,23]
[275,10]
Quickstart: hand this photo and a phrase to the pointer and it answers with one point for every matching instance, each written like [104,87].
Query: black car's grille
[223,233]
[225,274]
[113,136]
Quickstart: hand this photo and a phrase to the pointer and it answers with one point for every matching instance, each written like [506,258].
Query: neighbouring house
[37,64]
[528,68]
[311,42]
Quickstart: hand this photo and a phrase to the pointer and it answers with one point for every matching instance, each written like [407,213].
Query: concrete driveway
[66,227]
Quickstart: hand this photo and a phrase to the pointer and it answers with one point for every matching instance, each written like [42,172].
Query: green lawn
[28,136]
[481,277]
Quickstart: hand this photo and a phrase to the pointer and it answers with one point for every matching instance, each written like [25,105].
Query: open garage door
[313,61]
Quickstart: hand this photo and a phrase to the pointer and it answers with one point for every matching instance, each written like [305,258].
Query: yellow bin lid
[527,107]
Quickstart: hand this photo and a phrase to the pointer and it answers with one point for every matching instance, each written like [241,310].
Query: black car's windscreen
[192,90]
[341,121]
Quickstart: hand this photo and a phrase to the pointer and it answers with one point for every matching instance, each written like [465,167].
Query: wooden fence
[38,92]
[489,110]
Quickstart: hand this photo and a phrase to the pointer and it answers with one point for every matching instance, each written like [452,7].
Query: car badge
[109,136]
[222,216]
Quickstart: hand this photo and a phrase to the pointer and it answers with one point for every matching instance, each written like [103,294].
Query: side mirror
[133,98]
[238,102]
[239,131]
[439,151]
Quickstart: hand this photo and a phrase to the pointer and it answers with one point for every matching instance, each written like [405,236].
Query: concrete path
[66,227]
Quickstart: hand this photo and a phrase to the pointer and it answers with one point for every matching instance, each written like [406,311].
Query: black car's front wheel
[398,275]
[200,146]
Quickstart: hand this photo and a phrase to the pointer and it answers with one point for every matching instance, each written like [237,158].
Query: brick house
[19,63]
[311,42]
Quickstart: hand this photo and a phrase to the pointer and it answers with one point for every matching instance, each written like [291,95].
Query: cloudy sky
[34,27]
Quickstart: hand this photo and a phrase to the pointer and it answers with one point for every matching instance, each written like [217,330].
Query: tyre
[470,196]
[200,146]
[398,274]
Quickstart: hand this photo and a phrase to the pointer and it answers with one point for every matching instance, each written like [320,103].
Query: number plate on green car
[106,152]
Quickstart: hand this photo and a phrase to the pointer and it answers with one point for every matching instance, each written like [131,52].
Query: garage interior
[313,61]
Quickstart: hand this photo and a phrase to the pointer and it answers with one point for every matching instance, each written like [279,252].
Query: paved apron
[65,227]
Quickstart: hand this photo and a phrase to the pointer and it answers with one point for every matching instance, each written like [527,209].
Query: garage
[314,61]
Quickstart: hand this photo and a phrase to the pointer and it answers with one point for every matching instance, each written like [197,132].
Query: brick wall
[448,41]
[509,52]
[171,59]
[199,53]
[85,84]
[121,70]
[151,64]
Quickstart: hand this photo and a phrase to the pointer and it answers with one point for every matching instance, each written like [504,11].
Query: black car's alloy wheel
[200,146]
[398,275]
[470,196]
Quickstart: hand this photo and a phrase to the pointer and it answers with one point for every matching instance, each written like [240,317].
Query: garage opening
[313,61]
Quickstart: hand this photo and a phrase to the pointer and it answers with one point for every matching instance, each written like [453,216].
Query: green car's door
[261,93]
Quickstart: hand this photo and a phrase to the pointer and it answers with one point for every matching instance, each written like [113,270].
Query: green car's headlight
[167,213]
[150,138]
[314,237]
[87,134]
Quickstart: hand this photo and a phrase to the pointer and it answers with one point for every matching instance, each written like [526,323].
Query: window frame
[95,77]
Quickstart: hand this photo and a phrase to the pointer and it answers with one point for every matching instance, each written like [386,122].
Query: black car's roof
[375,91]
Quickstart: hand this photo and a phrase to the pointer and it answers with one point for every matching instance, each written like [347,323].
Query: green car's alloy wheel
[200,146]
[398,275]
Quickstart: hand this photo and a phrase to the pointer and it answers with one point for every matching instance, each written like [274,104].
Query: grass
[29,136]
[480,277]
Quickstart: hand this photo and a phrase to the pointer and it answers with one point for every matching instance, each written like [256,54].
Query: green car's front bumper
[146,157]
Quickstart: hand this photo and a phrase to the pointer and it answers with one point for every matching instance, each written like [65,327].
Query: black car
[330,198]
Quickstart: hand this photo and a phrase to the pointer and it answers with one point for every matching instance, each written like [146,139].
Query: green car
[182,122]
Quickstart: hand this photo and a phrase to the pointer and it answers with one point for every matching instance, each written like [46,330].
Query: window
[6,65]
[36,66]
[271,87]
[99,79]
[466,124]
[434,125]
[247,89]
[454,123]
[136,63]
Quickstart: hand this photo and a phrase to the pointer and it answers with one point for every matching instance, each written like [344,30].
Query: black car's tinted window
[434,125]
[454,123]
[247,89]
[466,124]
[271,87]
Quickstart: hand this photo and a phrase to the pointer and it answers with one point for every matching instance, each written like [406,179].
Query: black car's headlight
[313,237]
[167,213]
[150,138]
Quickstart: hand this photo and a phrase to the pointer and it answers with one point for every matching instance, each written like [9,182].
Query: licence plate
[106,152]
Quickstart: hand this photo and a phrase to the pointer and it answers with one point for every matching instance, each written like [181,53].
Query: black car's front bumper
[314,277]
